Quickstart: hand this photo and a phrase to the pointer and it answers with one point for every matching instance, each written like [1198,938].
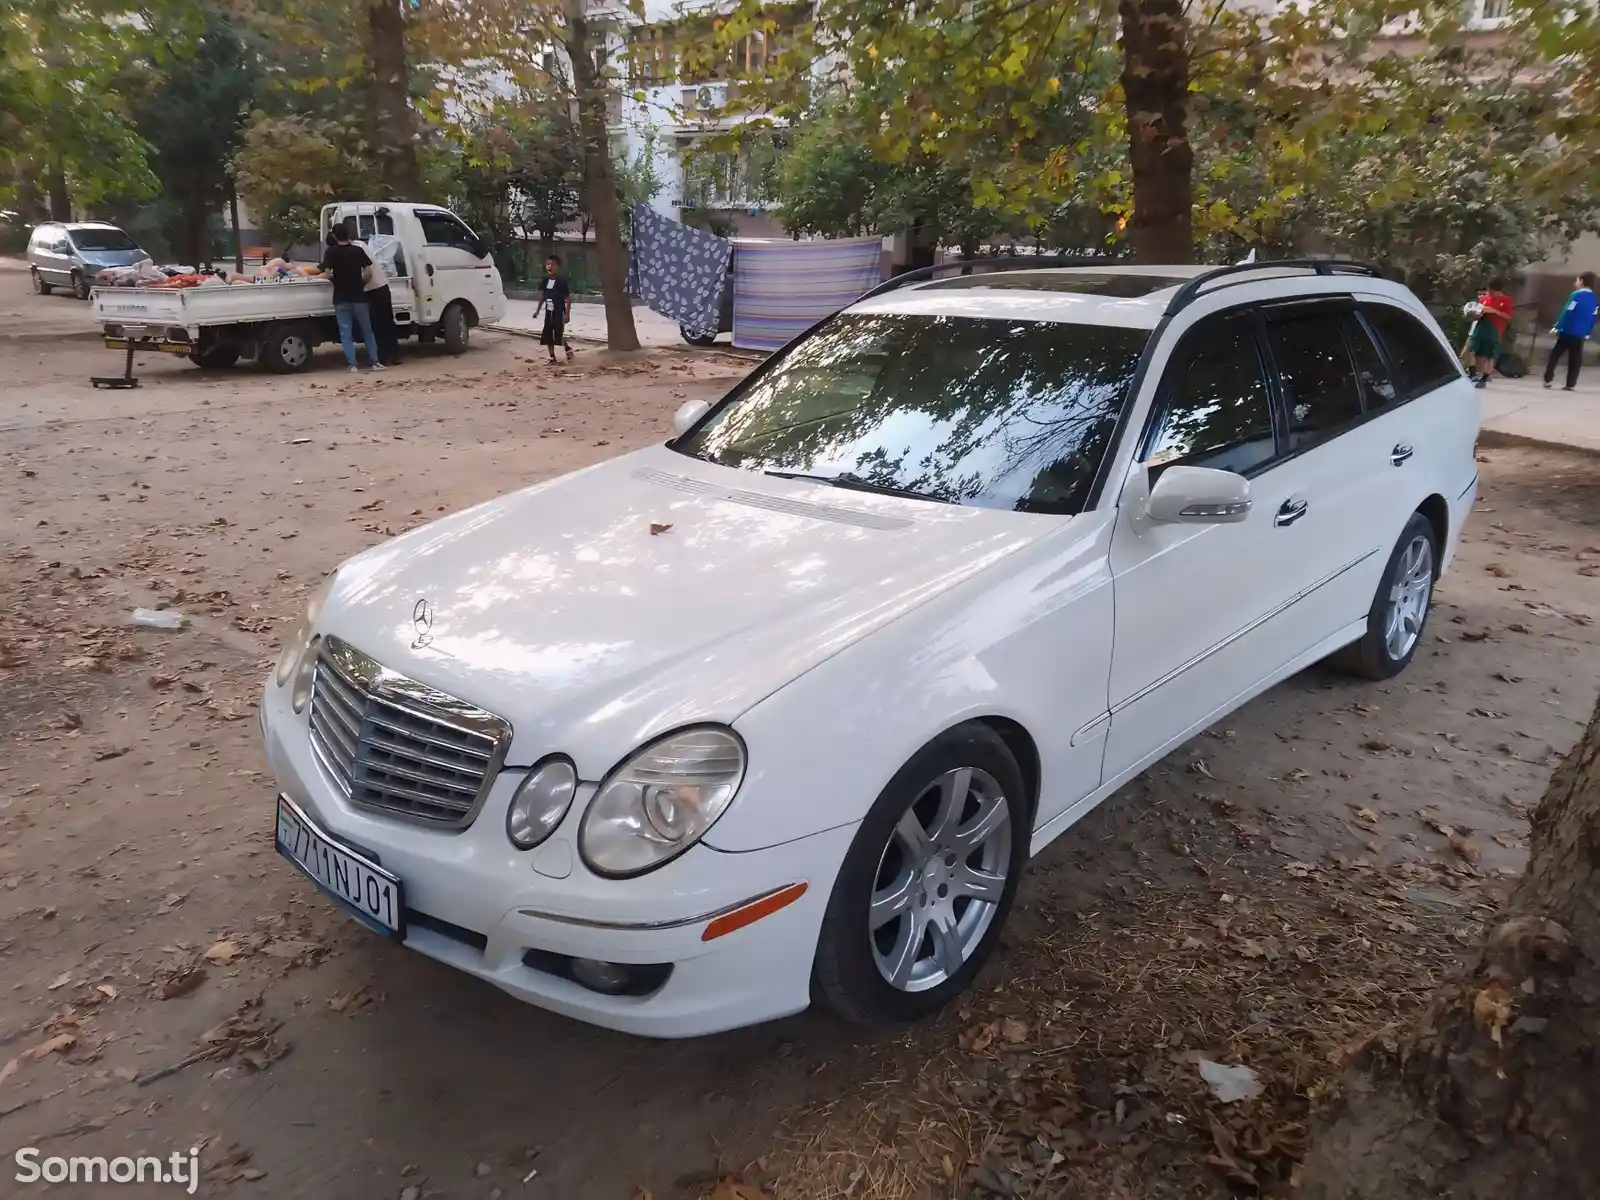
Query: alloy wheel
[1408,598]
[940,880]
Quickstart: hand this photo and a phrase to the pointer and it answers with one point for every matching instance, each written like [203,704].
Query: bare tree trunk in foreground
[1495,1091]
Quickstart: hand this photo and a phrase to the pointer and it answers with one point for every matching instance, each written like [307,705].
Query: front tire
[81,286]
[927,883]
[40,287]
[1400,609]
[696,339]
[455,329]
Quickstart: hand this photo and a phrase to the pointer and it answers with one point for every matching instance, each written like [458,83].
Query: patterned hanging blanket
[677,270]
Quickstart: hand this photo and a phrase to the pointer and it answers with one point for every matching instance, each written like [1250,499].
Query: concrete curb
[1495,439]
[599,344]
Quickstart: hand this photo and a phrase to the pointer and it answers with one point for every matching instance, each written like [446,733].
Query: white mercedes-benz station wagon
[777,711]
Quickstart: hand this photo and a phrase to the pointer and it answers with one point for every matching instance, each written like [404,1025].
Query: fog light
[608,977]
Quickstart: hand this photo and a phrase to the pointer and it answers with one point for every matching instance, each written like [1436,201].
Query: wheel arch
[1437,511]
[1024,749]
[466,306]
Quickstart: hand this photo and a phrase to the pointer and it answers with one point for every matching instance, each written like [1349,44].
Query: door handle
[1290,511]
[1400,454]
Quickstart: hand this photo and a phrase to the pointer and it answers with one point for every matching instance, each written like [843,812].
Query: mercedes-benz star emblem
[422,619]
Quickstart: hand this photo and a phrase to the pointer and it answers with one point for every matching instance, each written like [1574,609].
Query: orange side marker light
[749,914]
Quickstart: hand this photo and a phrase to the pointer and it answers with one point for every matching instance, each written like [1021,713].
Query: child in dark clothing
[555,297]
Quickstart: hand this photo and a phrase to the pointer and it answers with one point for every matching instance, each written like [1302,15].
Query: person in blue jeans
[351,267]
[1572,330]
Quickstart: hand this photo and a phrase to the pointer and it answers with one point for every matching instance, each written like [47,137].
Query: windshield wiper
[854,483]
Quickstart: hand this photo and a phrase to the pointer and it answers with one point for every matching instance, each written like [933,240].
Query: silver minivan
[70,255]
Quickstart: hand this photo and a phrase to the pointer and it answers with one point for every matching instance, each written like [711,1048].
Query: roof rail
[1004,262]
[1191,291]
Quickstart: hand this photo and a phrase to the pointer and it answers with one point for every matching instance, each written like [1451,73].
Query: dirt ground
[1281,887]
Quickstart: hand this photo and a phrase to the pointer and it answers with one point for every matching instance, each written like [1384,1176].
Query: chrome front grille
[398,746]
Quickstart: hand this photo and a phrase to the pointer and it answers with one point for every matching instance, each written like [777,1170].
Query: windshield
[991,413]
[102,239]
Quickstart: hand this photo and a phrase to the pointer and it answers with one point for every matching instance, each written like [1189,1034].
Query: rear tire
[40,287]
[697,339]
[286,349]
[1399,611]
[81,286]
[927,883]
[455,329]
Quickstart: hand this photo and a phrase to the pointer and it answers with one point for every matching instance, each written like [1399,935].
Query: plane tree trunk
[393,124]
[1155,88]
[585,45]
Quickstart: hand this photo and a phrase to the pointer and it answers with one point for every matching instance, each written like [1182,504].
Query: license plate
[177,348]
[371,894]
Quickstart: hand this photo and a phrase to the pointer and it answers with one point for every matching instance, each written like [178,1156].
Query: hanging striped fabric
[782,288]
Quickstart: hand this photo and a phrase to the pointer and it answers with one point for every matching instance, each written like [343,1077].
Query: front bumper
[478,904]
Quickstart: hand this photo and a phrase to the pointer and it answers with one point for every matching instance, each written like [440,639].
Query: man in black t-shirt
[555,297]
[350,267]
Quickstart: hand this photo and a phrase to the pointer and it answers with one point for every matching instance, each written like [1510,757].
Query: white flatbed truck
[444,283]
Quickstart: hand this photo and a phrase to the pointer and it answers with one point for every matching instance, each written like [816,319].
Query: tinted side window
[1377,389]
[1419,360]
[1319,385]
[441,229]
[1218,411]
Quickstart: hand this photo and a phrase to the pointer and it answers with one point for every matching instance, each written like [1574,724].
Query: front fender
[1028,640]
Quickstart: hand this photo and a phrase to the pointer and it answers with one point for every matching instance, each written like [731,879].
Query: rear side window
[1218,412]
[1377,389]
[1319,383]
[1420,362]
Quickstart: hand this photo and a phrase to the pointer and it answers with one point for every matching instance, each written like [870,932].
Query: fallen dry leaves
[1079,1074]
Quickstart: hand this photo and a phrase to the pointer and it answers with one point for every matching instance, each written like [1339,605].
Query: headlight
[542,799]
[300,696]
[299,639]
[661,801]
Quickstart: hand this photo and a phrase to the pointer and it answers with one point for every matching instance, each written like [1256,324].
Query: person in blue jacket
[1572,330]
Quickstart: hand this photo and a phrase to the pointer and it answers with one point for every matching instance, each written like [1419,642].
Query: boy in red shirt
[1494,310]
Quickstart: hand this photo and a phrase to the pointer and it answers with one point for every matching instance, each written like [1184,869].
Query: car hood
[601,608]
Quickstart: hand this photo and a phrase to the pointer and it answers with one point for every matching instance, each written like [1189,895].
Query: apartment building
[668,108]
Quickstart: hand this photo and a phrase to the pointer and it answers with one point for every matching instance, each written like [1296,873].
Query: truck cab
[442,279]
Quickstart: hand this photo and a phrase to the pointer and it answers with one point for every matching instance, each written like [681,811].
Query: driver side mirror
[688,416]
[1199,496]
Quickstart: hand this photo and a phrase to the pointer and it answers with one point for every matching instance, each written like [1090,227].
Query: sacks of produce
[143,273]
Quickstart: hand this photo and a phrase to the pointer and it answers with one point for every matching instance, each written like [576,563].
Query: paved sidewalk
[589,323]
[1523,410]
